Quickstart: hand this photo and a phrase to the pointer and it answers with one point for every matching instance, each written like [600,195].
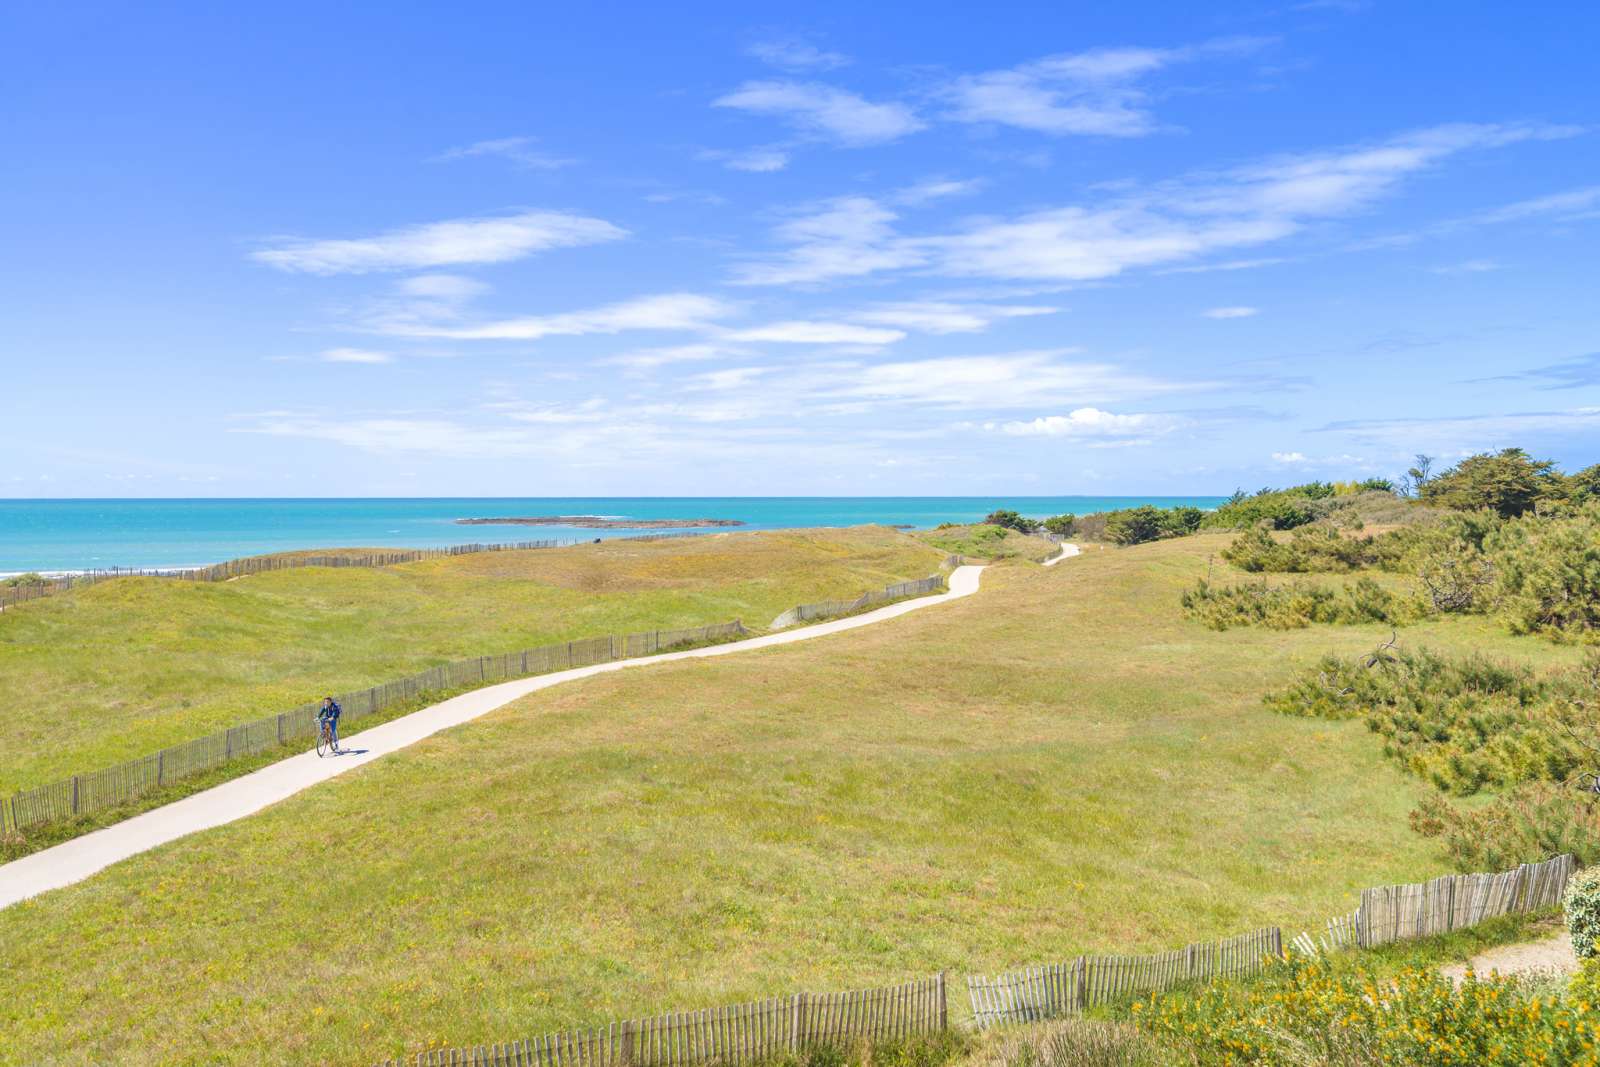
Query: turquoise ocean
[71,535]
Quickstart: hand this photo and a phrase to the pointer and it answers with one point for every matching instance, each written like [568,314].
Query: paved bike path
[72,861]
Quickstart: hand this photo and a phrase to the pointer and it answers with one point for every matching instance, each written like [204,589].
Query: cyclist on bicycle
[329,714]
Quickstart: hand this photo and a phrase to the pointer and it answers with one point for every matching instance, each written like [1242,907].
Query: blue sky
[306,250]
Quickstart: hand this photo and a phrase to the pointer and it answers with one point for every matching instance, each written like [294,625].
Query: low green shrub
[1462,724]
[1061,525]
[1528,823]
[1011,520]
[1582,905]
[1295,605]
[1585,985]
[1136,526]
[1547,574]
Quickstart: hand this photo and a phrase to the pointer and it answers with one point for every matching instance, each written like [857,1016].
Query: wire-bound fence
[740,1033]
[1074,986]
[83,794]
[829,608]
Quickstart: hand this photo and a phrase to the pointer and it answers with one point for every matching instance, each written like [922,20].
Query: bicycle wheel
[324,741]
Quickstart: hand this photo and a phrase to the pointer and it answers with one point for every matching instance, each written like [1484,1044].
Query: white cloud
[941,317]
[1231,312]
[1170,224]
[646,359]
[793,54]
[817,333]
[729,378]
[1575,204]
[1088,422]
[750,160]
[1469,266]
[1466,434]
[848,236]
[823,110]
[355,355]
[1086,93]
[518,150]
[1289,457]
[441,244]
[446,287]
[936,189]
[1009,380]
[665,311]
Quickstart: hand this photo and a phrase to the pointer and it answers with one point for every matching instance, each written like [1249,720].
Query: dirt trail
[1552,954]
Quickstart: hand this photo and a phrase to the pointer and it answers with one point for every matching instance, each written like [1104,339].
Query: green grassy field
[120,669]
[1057,764]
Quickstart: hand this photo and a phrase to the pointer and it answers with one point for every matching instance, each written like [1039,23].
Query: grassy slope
[120,669]
[1057,764]
[982,541]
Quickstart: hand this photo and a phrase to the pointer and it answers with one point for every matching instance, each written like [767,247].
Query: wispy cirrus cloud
[1168,224]
[761,160]
[795,54]
[663,311]
[1236,312]
[1092,424]
[356,355]
[943,317]
[1579,372]
[453,243]
[817,333]
[519,150]
[1093,93]
[825,111]
[1465,434]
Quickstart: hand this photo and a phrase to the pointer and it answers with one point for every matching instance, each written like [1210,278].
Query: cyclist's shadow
[352,751]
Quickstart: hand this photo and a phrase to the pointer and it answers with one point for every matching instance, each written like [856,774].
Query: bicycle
[325,741]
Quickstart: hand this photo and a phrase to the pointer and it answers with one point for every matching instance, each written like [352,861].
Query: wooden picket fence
[740,1033]
[826,609]
[1457,901]
[1072,987]
[86,793]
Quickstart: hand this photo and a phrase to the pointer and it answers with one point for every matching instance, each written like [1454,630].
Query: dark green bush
[1462,724]
[1508,483]
[1010,520]
[1528,823]
[1294,605]
[1546,574]
[1061,525]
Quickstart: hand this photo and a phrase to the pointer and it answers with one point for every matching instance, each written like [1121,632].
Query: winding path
[72,861]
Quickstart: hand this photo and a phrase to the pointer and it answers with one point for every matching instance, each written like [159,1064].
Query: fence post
[280,729]
[944,1011]
[797,1022]
[1081,994]
[627,1044]
[161,768]
[74,794]
[1275,940]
